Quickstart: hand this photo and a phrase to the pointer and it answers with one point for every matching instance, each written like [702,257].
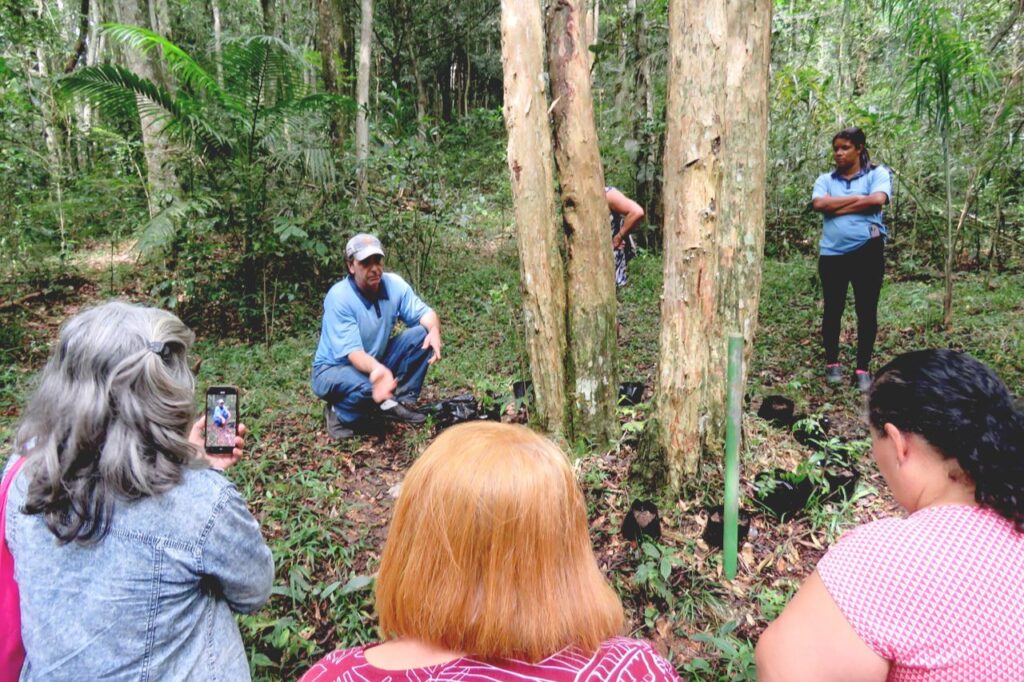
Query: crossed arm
[837,206]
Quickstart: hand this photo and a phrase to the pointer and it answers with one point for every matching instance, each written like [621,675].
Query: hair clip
[161,349]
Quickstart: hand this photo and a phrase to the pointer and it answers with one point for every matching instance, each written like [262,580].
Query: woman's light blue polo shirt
[846,233]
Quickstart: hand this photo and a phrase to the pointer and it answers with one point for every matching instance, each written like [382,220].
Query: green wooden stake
[734,402]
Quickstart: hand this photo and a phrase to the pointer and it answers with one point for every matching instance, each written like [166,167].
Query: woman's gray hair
[110,417]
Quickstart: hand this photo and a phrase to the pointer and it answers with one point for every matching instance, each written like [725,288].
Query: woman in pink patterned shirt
[488,574]
[935,596]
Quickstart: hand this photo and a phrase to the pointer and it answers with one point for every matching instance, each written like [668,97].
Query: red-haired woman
[488,574]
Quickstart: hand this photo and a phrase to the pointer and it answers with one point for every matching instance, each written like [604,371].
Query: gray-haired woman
[131,550]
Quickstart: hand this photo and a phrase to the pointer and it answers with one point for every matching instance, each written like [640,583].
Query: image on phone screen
[221,418]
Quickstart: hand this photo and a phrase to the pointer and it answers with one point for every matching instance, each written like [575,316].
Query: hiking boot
[335,429]
[862,380]
[400,413]
[833,374]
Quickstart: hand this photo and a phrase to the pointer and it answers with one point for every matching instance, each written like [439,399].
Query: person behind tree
[850,199]
[359,370]
[131,549]
[626,214]
[936,595]
[488,574]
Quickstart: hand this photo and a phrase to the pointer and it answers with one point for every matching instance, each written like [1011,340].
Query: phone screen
[221,418]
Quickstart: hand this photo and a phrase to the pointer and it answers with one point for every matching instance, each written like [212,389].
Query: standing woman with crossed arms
[850,199]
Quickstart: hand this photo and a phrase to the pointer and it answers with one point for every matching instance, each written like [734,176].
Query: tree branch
[1004,30]
[83,38]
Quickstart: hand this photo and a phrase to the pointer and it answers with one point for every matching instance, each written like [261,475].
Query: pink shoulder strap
[4,487]
[12,653]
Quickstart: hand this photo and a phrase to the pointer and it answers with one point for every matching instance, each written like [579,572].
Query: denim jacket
[152,600]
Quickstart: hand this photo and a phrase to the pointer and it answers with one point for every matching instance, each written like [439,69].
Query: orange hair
[489,551]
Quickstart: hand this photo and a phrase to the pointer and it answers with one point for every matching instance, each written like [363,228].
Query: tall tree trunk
[744,162]
[533,199]
[160,18]
[591,285]
[218,47]
[643,125]
[693,182]
[947,270]
[363,93]
[270,26]
[327,42]
[82,43]
[55,166]
[155,147]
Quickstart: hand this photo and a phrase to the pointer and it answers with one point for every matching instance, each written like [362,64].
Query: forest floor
[324,506]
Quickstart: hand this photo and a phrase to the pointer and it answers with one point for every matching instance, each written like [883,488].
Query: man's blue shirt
[846,233]
[353,322]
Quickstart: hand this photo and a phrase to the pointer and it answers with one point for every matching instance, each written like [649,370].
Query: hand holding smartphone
[222,419]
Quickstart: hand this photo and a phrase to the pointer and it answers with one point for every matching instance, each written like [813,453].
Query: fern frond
[116,89]
[161,228]
[181,64]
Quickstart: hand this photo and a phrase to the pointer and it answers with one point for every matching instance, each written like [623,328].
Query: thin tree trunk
[533,199]
[593,20]
[744,163]
[947,271]
[952,236]
[82,44]
[643,125]
[218,48]
[327,42]
[363,94]
[160,17]
[155,147]
[55,166]
[269,17]
[693,181]
[591,285]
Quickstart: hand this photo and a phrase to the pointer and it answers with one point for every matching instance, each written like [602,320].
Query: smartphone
[221,419]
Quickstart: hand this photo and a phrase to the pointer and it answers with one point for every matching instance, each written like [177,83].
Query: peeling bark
[591,285]
[363,93]
[741,237]
[533,198]
[693,182]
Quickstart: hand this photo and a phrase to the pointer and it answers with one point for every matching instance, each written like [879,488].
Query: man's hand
[617,241]
[219,462]
[384,383]
[433,341]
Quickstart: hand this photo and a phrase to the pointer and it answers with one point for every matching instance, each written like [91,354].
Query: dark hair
[966,412]
[859,139]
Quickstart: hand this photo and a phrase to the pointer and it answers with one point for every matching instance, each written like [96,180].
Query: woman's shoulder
[901,553]
[638,655]
[335,664]
[619,658]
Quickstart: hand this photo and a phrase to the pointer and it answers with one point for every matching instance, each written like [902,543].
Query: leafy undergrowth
[324,506]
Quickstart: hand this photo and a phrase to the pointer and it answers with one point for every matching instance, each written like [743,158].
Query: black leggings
[864,269]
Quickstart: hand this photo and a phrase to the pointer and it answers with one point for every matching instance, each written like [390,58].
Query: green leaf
[666,566]
[357,583]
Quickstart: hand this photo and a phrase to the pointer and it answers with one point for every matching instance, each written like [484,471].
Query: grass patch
[324,507]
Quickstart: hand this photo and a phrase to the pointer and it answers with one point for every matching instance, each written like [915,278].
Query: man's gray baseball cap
[362,246]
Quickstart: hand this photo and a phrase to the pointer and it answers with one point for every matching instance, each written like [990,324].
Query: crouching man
[364,374]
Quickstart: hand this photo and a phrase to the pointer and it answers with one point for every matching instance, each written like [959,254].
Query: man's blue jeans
[350,391]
